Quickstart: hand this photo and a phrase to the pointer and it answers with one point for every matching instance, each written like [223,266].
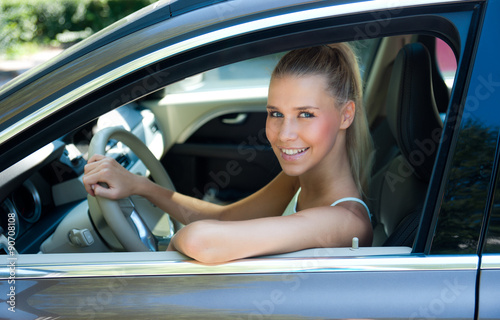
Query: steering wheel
[122,216]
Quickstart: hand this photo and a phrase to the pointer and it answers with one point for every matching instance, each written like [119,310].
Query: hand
[100,169]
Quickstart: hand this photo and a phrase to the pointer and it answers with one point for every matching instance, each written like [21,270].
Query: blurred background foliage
[27,25]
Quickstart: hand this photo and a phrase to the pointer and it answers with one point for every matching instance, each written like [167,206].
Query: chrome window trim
[490,261]
[218,35]
[157,264]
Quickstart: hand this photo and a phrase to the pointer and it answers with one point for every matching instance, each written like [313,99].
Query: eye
[306,115]
[275,114]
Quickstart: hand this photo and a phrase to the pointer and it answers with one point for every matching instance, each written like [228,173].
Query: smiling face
[304,123]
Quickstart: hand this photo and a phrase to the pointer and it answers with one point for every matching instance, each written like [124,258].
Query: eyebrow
[297,108]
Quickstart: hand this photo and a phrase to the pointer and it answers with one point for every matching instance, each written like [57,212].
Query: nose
[288,130]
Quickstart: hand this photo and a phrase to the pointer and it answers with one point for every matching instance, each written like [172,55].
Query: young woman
[317,127]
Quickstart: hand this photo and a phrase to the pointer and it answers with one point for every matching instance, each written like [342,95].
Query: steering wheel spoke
[145,234]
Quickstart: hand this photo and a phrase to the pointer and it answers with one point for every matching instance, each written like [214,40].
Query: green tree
[58,22]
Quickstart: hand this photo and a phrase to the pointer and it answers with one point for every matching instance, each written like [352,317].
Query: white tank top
[292,206]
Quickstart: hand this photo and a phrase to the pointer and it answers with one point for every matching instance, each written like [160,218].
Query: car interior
[196,127]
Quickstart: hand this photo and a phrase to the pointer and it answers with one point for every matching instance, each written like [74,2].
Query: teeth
[291,152]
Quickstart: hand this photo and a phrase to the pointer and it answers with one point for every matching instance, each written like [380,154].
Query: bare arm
[269,201]
[211,241]
[247,228]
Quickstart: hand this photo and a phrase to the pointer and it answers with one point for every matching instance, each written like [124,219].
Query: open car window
[197,126]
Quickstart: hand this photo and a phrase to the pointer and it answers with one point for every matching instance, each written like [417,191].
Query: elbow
[360,229]
[366,235]
[199,241]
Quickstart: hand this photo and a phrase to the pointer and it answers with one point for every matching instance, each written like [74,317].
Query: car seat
[441,90]
[398,189]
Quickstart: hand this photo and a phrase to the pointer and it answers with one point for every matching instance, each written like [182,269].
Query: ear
[348,112]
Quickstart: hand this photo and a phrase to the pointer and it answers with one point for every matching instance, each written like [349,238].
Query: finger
[89,167]
[103,164]
[91,190]
[89,180]
[96,157]
[101,191]
[93,163]
[93,178]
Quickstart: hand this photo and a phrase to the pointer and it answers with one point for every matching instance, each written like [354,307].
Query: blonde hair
[338,63]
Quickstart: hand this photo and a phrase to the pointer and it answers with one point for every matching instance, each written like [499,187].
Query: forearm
[205,241]
[184,209]
[212,241]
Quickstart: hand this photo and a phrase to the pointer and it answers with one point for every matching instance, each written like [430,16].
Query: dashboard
[39,191]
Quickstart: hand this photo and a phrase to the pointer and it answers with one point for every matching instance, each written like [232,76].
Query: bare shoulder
[336,226]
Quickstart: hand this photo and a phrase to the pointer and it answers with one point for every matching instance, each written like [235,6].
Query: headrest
[441,91]
[411,109]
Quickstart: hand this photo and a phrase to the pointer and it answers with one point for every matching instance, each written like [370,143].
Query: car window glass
[468,179]
[466,190]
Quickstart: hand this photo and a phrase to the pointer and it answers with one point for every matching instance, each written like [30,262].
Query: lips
[292,154]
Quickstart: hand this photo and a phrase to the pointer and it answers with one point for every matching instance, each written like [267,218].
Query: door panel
[402,287]
[229,157]
[489,308]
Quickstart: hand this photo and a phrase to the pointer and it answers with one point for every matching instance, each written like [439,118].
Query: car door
[489,277]
[468,221]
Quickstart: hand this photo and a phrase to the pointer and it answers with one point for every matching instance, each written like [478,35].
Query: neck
[324,181]
[331,180]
